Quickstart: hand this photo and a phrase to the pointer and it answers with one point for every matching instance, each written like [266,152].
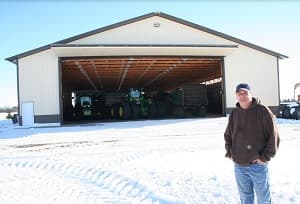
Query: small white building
[155,51]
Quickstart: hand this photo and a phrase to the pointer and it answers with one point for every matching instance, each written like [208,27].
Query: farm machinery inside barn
[189,100]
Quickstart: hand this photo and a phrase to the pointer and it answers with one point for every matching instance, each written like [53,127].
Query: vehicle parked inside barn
[193,99]
[189,100]
[133,105]
[88,105]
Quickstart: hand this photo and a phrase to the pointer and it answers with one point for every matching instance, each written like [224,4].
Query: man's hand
[258,161]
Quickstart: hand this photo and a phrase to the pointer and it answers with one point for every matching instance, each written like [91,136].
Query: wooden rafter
[124,73]
[86,75]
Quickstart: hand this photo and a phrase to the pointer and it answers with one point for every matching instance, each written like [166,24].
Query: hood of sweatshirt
[255,102]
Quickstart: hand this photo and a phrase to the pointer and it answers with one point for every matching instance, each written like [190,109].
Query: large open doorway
[131,87]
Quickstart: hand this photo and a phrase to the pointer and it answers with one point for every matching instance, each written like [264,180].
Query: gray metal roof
[139,18]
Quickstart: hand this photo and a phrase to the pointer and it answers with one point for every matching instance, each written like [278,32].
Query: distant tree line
[8,109]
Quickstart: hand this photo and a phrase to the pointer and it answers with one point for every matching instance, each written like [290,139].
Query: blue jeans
[250,179]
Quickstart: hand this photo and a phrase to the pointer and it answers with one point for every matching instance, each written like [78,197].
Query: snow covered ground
[159,161]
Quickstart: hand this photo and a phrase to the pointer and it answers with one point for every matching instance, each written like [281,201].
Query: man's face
[243,96]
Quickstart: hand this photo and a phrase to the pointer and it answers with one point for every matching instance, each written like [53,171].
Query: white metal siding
[38,82]
[253,67]
[144,32]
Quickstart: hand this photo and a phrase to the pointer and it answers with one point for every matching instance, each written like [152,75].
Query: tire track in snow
[124,157]
[93,185]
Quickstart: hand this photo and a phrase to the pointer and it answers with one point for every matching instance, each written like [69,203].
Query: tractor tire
[135,111]
[114,111]
[286,113]
[298,115]
[168,105]
[124,111]
[178,112]
[202,111]
[152,111]
[161,110]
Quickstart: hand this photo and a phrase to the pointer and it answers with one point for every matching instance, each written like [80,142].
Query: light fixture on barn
[156,25]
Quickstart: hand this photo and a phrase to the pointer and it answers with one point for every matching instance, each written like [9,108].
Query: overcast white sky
[26,25]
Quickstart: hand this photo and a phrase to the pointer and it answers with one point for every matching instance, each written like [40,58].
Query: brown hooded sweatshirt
[251,134]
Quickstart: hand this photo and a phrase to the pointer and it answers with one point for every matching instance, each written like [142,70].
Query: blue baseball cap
[242,87]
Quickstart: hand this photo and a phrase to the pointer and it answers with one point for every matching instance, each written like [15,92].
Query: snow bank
[160,161]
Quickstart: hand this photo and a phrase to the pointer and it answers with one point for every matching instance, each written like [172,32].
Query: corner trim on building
[223,88]
[278,82]
[18,92]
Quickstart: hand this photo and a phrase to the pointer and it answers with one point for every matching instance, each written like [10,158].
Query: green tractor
[88,105]
[134,105]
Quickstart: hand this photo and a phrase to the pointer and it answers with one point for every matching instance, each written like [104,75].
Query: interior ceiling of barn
[118,74]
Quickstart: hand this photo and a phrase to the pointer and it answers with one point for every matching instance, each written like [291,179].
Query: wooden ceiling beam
[86,75]
[165,72]
[97,74]
[124,71]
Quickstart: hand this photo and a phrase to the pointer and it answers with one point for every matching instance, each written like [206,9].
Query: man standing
[251,139]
